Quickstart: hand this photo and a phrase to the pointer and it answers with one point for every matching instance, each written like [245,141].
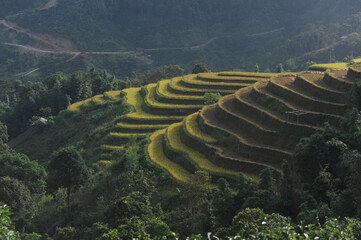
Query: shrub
[210,98]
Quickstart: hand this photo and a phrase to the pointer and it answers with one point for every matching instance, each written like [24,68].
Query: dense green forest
[243,33]
[10,7]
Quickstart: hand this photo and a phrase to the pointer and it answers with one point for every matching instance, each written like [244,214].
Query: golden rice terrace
[254,128]
[157,105]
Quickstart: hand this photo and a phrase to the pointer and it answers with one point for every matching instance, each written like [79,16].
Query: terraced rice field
[157,105]
[340,65]
[78,105]
[156,155]
[101,98]
[256,127]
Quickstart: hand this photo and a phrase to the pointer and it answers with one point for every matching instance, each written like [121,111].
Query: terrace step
[128,135]
[259,124]
[282,107]
[249,167]
[113,95]
[106,156]
[248,74]
[112,147]
[191,127]
[134,99]
[98,98]
[176,86]
[191,82]
[78,105]
[243,123]
[157,156]
[192,157]
[140,120]
[138,128]
[165,96]
[151,105]
[337,78]
[212,77]
[244,104]
[221,156]
[246,147]
[285,89]
[354,72]
[316,87]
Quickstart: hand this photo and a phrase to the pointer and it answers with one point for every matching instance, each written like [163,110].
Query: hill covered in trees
[163,154]
[121,193]
[233,35]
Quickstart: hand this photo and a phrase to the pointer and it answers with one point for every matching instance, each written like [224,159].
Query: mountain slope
[257,127]
[232,35]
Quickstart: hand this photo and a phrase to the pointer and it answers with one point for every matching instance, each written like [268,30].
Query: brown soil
[341,74]
[22,137]
[57,44]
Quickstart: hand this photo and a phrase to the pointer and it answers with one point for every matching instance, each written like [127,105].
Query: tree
[17,196]
[156,228]
[352,41]
[256,68]
[310,155]
[210,98]
[222,203]
[124,208]
[163,72]
[251,221]
[349,60]
[352,158]
[267,190]
[68,233]
[200,68]
[7,230]
[288,196]
[14,193]
[68,170]
[279,68]
[196,197]
[3,136]
[309,63]
[20,167]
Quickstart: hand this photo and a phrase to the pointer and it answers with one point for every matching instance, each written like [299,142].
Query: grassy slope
[86,129]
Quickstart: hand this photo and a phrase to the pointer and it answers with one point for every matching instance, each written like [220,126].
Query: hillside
[86,129]
[9,7]
[255,128]
[122,37]
[156,156]
[154,106]
[274,116]
[187,119]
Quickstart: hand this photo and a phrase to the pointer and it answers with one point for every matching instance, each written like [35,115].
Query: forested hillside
[67,188]
[143,34]
[9,7]
[180,119]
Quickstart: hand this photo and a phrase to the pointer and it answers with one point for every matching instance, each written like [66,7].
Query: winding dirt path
[50,4]
[58,45]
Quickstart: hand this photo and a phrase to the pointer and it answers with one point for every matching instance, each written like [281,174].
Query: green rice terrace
[157,105]
[254,128]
